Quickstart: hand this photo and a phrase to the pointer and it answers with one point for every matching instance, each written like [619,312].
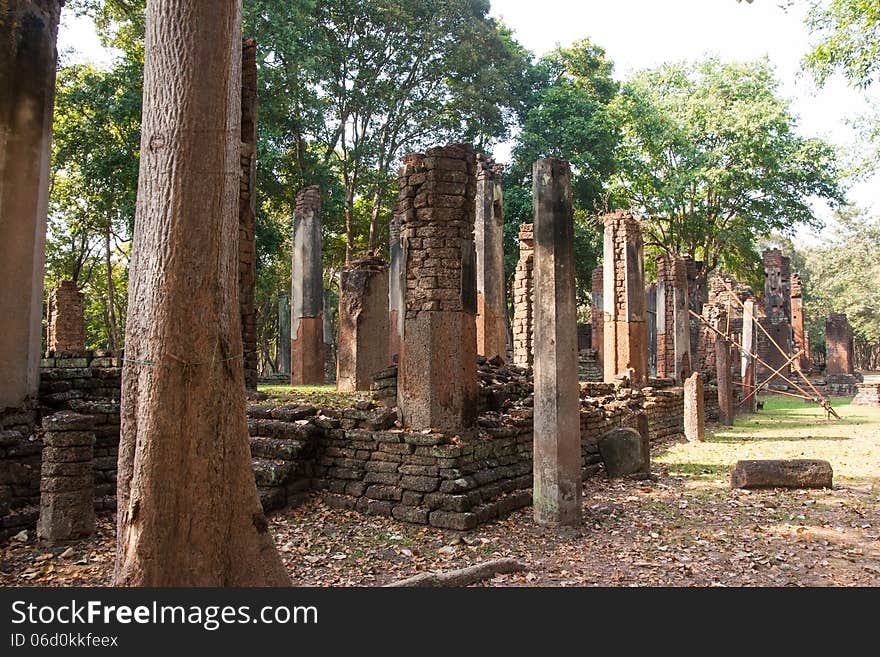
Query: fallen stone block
[792,473]
[623,452]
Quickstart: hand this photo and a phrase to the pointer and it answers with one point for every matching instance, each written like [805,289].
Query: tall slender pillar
[596,319]
[651,326]
[777,317]
[523,298]
[284,334]
[437,373]
[838,345]
[625,333]
[799,335]
[723,374]
[247,212]
[361,348]
[673,319]
[747,364]
[557,438]
[396,286]
[489,242]
[307,309]
[28,29]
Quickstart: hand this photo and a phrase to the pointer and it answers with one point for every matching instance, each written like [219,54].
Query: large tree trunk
[188,509]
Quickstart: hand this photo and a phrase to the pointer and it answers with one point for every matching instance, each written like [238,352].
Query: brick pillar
[27,86]
[66,330]
[247,212]
[596,319]
[307,308]
[777,316]
[797,321]
[838,345]
[396,286]
[284,334]
[673,319]
[557,438]
[651,326]
[750,344]
[697,296]
[694,408]
[67,506]
[625,335]
[437,379]
[361,348]
[489,242]
[523,298]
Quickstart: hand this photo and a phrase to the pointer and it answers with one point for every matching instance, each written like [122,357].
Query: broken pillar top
[368,263]
[622,216]
[308,200]
[527,235]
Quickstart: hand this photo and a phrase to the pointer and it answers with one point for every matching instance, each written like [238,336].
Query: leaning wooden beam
[463,576]
[767,381]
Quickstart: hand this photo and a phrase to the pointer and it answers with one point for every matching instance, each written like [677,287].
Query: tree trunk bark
[188,509]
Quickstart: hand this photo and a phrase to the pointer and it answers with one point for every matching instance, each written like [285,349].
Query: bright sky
[641,34]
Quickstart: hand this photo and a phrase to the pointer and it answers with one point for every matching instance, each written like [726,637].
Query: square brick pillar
[799,335]
[673,319]
[777,316]
[66,330]
[838,345]
[557,437]
[489,242]
[437,376]
[597,321]
[307,307]
[523,298]
[625,332]
[27,88]
[361,349]
[247,212]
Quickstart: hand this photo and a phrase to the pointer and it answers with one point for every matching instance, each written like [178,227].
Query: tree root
[463,576]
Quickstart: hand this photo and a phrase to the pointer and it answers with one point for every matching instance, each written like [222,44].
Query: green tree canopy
[710,156]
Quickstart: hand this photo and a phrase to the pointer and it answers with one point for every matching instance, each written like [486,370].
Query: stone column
[489,242]
[673,319]
[66,332]
[363,324]
[557,439]
[28,29]
[799,335]
[307,309]
[396,285]
[523,298]
[596,319]
[67,506]
[284,334]
[723,375]
[838,345]
[750,344]
[625,333]
[247,212]
[651,326]
[437,376]
[694,408]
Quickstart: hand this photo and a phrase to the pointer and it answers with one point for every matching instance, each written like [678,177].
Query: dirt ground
[685,527]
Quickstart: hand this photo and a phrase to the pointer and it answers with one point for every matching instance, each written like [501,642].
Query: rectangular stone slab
[792,473]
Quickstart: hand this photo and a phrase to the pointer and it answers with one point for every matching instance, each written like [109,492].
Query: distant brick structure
[838,345]
[66,324]
[596,318]
[524,298]
[799,334]
[247,204]
[777,317]
[625,332]
[437,379]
